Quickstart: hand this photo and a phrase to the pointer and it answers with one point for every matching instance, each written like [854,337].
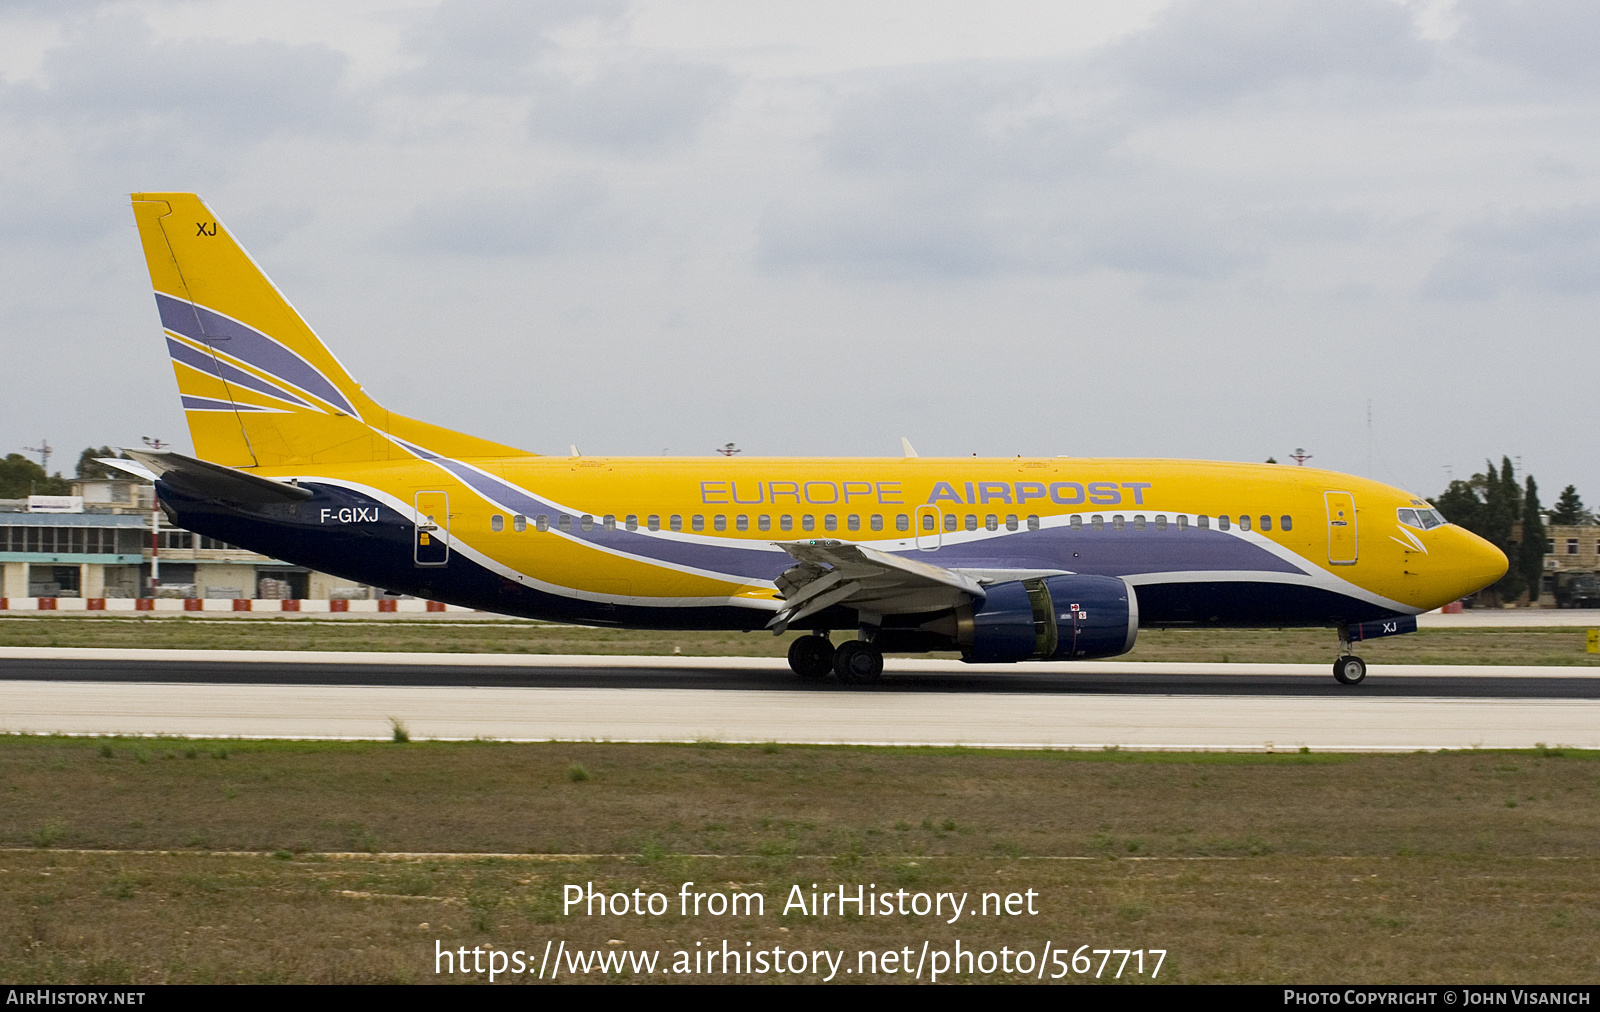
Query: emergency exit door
[1341,528]
[431,537]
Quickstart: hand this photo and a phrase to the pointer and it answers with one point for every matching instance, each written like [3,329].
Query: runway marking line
[445,855]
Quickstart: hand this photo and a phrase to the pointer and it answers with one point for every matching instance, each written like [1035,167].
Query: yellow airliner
[1005,559]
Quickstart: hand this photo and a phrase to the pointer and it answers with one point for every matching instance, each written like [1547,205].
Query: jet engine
[1055,618]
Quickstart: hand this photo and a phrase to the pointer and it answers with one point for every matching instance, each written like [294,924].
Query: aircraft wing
[835,572]
[216,481]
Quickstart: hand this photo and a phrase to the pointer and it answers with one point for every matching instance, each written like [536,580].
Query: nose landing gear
[1348,669]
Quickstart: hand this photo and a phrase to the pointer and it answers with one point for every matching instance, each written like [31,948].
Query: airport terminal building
[97,544]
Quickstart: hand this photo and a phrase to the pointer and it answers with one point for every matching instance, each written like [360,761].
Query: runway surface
[522,697]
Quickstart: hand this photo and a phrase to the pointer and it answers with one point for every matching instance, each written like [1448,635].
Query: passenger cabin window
[541,522]
[697,523]
[519,523]
[497,523]
[808,522]
[610,522]
[903,522]
[719,522]
[741,522]
[830,522]
[1286,523]
[950,521]
[586,521]
[1183,523]
[972,522]
[1138,521]
[1244,523]
[991,523]
[877,521]
[1222,522]
[1266,523]
[1077,523]
[928,523]
[1203,522]
[631,522]
[852,522]
[1098,522]
[786,522]
[654,522]
[1033,521]
[676,522]
[1011,522]
[1161,521]
[763,522]
[564,522]
[1117,523]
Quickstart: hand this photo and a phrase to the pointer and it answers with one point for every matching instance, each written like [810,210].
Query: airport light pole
[155,524]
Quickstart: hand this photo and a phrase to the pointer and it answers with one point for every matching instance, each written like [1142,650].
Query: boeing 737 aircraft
[1011,559]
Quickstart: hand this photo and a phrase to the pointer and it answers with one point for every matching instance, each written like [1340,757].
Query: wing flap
[836,572]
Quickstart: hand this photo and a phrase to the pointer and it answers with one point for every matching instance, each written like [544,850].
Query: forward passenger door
[1341,528]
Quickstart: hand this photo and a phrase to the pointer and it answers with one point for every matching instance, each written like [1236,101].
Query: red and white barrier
[226,605]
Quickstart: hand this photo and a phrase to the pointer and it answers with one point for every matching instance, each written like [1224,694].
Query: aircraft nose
[1478,564]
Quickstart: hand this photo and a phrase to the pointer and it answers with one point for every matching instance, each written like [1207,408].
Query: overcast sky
[1211,229]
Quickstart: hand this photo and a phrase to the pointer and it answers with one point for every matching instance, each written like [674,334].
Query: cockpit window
[1425,519]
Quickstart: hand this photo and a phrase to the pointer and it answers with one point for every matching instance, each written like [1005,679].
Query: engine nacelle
[1056,618]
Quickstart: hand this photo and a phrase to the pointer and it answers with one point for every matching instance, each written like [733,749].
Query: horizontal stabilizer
[216,481]
[132,467]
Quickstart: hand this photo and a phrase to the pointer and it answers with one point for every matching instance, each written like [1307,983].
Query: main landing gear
[855,662]
[811,657]
[1348,669]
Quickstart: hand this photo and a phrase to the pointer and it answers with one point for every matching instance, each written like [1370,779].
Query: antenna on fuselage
[574,448]
[905,444]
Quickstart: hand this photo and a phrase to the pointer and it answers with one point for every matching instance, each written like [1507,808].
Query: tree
[1489,505]
[89,467]
[21,477]
[1569,510]
[1530,556]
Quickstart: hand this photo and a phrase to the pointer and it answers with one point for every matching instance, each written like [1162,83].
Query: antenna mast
[44,449]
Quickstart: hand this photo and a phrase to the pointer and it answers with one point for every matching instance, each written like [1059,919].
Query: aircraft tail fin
[259,388]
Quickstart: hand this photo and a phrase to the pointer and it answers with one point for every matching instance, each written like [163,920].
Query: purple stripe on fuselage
[1113,553]
[1108,553]
[227,373]
[247,345]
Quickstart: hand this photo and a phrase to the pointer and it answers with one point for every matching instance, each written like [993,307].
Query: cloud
[1555,251]
[1208,51]
[492,46]
[566,215]
[632,108]
[1550,39]
[190,93]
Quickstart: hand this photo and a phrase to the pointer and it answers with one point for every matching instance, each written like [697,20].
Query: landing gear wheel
[857,662]
[1350,670]
[811,657]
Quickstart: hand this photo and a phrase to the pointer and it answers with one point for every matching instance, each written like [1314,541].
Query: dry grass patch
[1555,646]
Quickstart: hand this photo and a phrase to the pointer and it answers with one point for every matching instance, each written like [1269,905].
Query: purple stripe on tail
[247,345]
